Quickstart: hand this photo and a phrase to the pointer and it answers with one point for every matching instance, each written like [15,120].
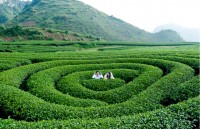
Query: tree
[1,30]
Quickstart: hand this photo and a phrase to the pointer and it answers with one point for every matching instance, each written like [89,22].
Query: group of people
[98,75]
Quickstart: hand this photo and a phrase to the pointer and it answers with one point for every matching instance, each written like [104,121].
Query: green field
[47,84]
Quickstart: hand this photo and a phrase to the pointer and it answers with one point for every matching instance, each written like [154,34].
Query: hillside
[10,8]
[75,16]
[18,33]
[188,34]
[167,35]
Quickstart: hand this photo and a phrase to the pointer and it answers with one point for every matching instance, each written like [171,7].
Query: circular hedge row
[57,93]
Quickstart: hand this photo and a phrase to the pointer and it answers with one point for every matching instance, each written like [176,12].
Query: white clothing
[97,77]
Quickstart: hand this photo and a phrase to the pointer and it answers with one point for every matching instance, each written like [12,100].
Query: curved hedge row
[151,90]
[6,64]
[188,89]
[71,84]
[173,117]
[38,109]
[42,89]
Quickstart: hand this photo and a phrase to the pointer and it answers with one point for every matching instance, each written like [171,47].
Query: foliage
[57,46]
[153,88]
[75,16]
[1,40]
[10,9]
[18,31]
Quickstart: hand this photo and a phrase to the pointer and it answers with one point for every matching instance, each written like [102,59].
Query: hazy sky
[147,14]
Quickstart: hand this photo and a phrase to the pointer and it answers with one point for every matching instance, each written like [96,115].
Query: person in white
[108,75]
[97,75]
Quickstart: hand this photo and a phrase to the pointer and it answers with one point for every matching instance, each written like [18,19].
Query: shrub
[137,98]
[99,85]
[171,117]
[1,40]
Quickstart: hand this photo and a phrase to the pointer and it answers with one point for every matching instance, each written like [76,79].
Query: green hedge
[15,76]
[46,89]
[28,107]
[165,100]
[102,85]
[37,86]
[173,117]
[12,63]
[71,84]
[188,89]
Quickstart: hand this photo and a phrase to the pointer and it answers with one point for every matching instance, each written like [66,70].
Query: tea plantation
[49,85]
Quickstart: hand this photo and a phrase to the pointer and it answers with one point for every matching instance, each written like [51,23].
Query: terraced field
[156,86]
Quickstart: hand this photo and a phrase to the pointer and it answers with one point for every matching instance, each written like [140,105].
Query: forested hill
[75,16]
[10,8]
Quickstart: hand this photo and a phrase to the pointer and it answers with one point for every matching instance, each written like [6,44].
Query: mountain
[75,16]
[167,36]
[10,8]
[188,34]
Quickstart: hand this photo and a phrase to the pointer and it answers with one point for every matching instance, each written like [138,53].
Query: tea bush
[152,88]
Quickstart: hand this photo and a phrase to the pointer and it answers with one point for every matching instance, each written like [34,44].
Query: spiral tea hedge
[151,89]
